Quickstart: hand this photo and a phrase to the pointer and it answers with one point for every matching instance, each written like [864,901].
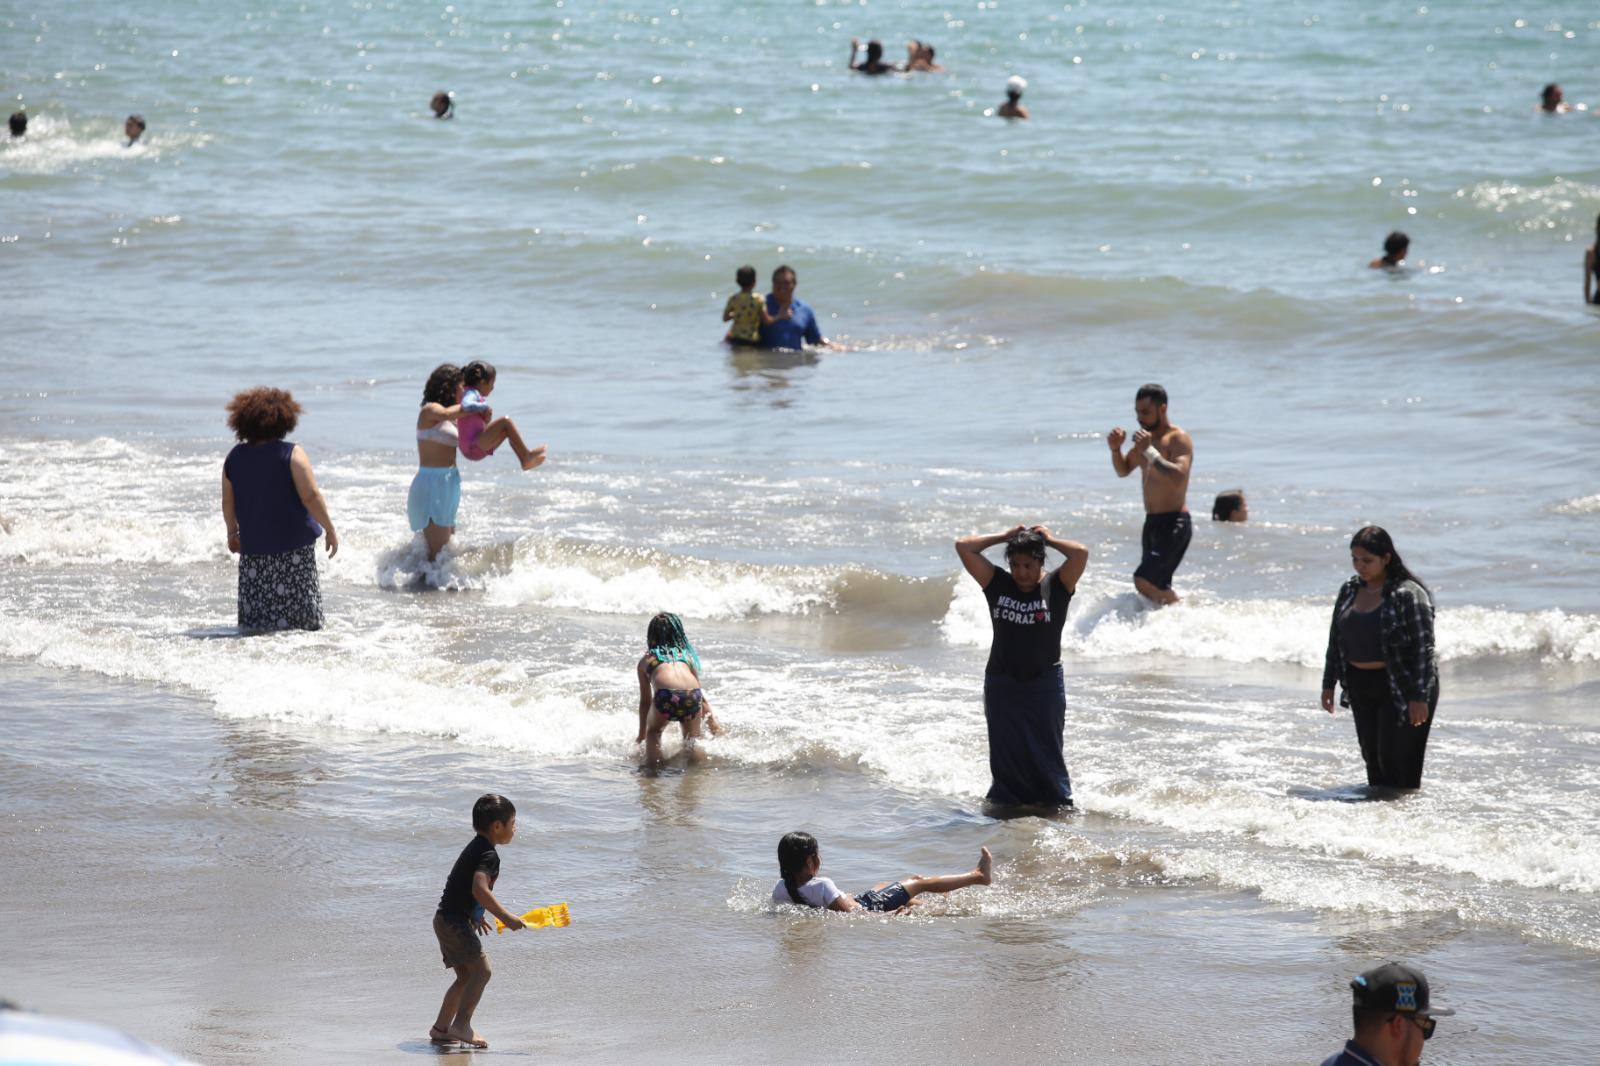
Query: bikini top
[444,433]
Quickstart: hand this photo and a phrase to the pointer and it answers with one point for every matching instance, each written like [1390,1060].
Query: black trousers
[1392,747]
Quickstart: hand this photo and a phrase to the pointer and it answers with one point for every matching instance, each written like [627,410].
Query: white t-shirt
[818,892]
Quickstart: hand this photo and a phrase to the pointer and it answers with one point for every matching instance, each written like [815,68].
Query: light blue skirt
[435,496]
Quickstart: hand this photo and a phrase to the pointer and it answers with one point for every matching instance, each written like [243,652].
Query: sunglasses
[1427,1025]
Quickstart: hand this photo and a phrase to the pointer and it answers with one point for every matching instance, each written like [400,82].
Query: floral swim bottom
[280,591]
[679,704]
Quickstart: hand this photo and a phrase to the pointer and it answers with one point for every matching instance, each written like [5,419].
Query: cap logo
[1405,995]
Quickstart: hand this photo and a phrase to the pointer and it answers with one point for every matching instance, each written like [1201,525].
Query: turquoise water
[1194,202]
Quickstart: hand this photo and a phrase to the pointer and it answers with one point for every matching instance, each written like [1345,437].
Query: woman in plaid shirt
[1380,651]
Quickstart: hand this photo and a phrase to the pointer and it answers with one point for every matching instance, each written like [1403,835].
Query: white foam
[1105,625]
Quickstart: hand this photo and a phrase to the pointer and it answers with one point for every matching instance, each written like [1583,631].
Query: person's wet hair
[1550,95]
[927,50]
[874,52]
[477,373]
[134,127]
[1151,391]
[442,104]
[1395,246]
[1226,503]
[263,414]
[491,808]
[18,123]
[442,383]
[745,276]
[1375,540]
[794,851]
[1029,542]
[781,271]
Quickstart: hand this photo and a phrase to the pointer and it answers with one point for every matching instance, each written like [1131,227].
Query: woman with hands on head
[1024,692]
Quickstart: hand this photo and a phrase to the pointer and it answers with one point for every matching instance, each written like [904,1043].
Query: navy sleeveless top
[272,520]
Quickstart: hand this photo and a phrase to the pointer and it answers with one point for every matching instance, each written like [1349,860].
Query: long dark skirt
[1391,746]
[280,591]
[1026,720]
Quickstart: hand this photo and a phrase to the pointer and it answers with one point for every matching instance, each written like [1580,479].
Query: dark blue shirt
[1352,1055]
[272,520]
[796,331]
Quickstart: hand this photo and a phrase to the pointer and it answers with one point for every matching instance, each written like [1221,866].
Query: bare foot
[535,457]
[985,867]
[471,1039]
[438,1034]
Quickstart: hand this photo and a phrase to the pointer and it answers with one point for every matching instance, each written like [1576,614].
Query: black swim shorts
[1166,538]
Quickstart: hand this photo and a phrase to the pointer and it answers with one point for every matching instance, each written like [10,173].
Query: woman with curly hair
[274,514]
[436,490]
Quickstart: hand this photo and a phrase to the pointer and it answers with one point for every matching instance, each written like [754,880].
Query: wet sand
[246,893]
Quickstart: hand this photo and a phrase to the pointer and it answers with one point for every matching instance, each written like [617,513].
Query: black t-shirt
[478,855]
[1027,628]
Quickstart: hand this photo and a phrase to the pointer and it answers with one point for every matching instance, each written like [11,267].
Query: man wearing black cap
[1393,1017]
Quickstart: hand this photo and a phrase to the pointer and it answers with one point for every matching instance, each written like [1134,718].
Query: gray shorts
[458,941]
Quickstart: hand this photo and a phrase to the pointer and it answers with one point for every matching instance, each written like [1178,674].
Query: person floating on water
[1551,101]
[798,883]
[1591,268]
[133,129]
[919,58]
[874,63]
[1395,248]
[468,896]
[18,123]
[1230,506]
[790,323]
[1164,453]
[1024,691]
[479,432]
[1381,653]
[669,688]
[747,310]
[443,105]
[1012,108]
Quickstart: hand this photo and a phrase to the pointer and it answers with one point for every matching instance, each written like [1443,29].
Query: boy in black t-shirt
[468,893]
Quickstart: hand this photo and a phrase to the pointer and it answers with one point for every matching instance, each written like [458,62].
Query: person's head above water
[133,128]
[1395,246]
[1015,86]
[444,385]
[263,414]
[477,374]
[1550,96]
[1230,506]
[874,52]
[746,277]
[19,123]
[795,852]
[783,283]
[443,106]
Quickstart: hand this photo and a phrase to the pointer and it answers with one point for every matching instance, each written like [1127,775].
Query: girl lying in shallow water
[799,861]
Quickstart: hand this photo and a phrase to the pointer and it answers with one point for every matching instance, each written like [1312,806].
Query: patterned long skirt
[280,591]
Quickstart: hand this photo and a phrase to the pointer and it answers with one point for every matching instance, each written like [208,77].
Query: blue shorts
[885,899]
[435,495]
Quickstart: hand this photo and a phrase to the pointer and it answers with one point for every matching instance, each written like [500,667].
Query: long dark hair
[794,851]
[1375,539]
[441,386]
[669,643]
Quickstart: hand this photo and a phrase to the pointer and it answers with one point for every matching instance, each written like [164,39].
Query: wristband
[1150,452]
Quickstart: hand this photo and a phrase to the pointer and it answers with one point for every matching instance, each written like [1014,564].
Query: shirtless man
[1165,453]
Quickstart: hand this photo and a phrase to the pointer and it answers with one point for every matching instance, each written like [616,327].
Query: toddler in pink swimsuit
[481,432]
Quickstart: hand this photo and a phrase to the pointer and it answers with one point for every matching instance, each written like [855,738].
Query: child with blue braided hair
[669,687]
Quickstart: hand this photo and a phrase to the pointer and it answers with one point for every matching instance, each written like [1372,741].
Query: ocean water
[1193,202]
